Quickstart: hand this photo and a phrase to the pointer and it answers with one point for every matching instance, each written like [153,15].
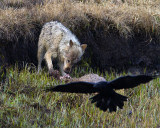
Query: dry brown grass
[128,19]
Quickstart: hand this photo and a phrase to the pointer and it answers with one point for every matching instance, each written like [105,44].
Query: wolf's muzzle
[67,70]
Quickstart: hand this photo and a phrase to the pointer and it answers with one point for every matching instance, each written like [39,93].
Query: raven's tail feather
[110,102]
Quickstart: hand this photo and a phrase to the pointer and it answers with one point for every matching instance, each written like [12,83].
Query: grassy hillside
[24,104]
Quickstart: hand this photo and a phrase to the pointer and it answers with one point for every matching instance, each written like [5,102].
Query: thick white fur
[55,42]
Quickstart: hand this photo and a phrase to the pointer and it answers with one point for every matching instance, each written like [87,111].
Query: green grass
[23,103]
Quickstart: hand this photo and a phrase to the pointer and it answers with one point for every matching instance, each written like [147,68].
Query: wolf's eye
[68,61]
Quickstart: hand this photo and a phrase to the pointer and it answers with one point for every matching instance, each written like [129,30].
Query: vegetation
[21,18]
[23,103]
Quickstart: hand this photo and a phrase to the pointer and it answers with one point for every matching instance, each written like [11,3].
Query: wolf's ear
[84,46]
[71,43]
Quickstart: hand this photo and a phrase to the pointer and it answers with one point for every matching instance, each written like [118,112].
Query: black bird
[106,98]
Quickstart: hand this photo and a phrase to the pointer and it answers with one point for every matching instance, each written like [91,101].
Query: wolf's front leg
[61,69]
[64,75]
[48,58]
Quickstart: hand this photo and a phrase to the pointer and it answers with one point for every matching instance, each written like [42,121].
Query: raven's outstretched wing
[106,98]
[125,82]
[74,87]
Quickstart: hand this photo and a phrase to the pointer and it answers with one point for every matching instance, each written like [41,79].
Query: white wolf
[57,41]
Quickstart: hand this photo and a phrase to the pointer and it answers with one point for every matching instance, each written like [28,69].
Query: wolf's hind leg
[40,56]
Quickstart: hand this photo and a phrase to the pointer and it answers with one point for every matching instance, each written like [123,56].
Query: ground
[23,103]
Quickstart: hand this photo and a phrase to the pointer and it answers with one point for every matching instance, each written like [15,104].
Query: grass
[24,104]
[22,101]
[94,22]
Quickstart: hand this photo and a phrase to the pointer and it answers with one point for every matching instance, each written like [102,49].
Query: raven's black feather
[106,98]
[125,82]
[74,87]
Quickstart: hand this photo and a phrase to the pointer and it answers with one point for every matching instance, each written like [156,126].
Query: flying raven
[106,97]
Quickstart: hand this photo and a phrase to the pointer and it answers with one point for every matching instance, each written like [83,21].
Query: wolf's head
[73,55]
